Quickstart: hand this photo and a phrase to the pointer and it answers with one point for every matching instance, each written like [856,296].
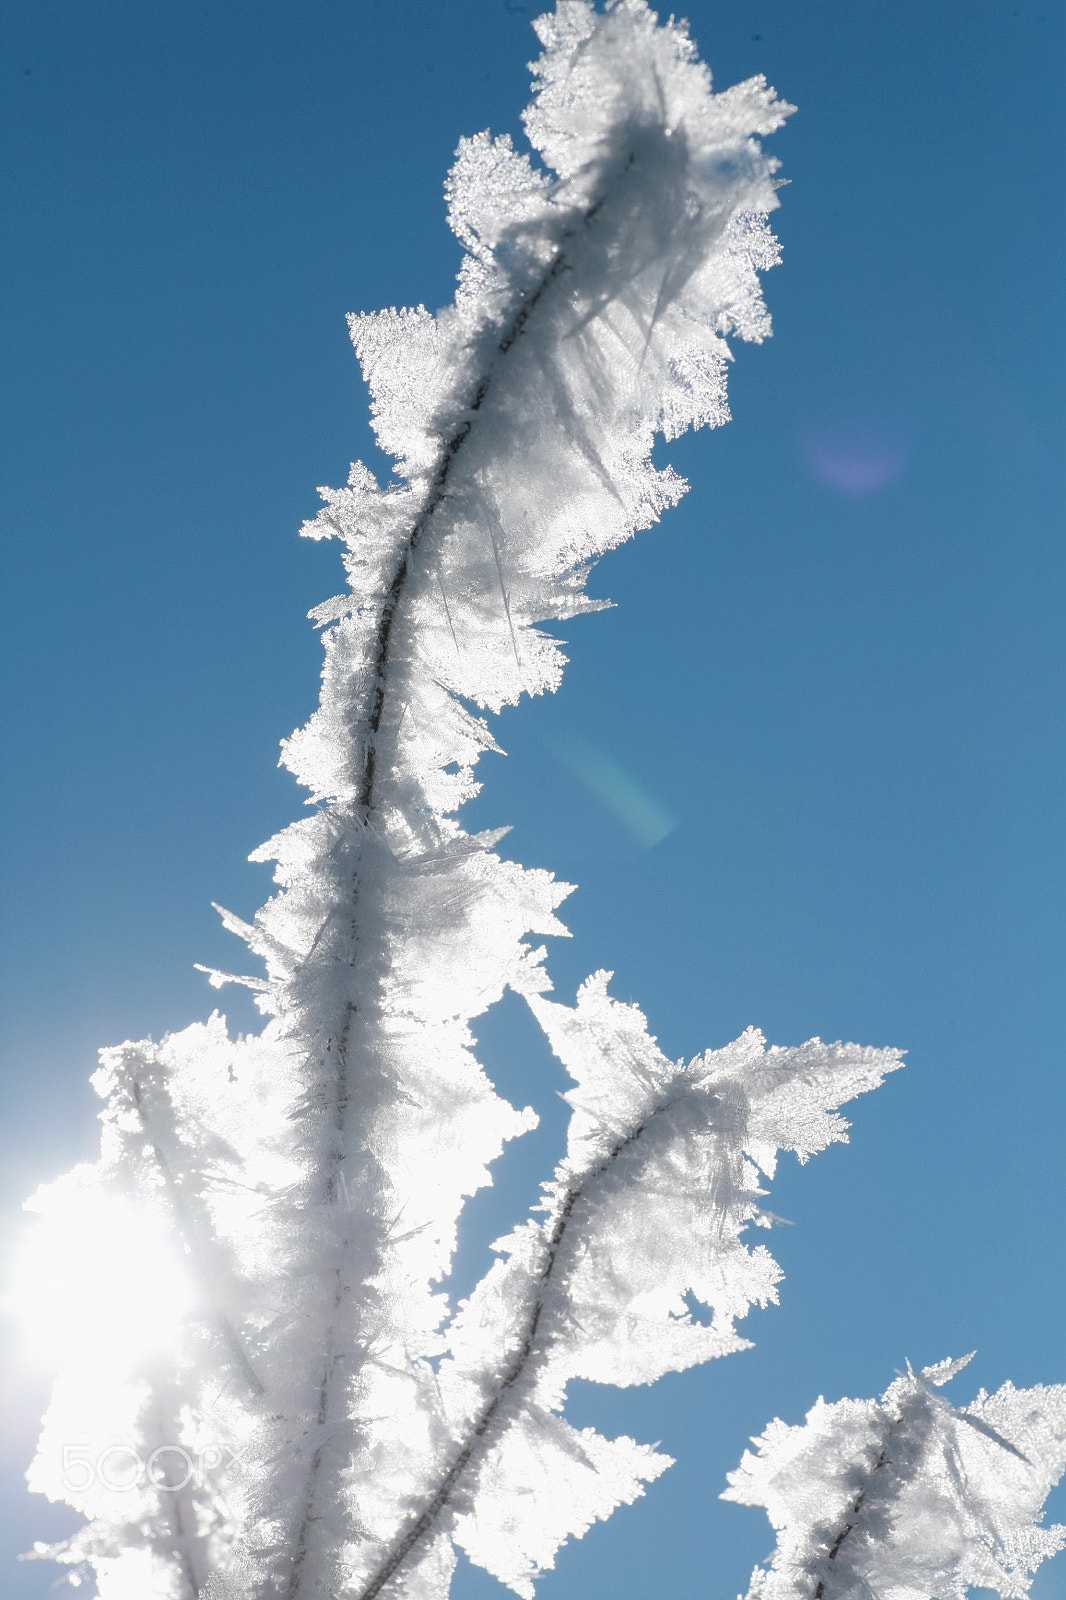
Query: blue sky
[808,774]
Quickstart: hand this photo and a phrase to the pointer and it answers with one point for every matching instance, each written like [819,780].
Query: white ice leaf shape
[679,1145]
[543,1483]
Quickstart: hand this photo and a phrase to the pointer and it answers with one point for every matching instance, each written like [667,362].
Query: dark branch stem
[854,1516]
[421,1526]
[364,805]
[437,494]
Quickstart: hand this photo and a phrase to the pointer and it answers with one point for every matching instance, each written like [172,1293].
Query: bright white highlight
[100,1282]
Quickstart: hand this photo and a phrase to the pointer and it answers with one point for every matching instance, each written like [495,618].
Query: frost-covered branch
[659,1181]
[137,1077]
[140,1281]
[598,287]
[528,1353]
[909,1495]
[265,1243]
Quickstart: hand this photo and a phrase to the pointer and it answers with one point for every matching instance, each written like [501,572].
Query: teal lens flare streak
[643,817]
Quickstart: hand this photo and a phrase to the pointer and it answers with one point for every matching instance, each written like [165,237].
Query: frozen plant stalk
[295,1195]
[908,1497]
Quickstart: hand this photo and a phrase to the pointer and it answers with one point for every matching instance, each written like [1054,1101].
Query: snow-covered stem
[908,1495]
[527,1354]
[365,804]
[437,492]
[156,1120]
[654,1146]
[852,1522]
[425,1522]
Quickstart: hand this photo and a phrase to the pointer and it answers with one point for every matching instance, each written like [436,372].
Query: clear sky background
[809,774]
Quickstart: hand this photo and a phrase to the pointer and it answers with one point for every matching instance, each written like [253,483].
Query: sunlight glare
[99,1281]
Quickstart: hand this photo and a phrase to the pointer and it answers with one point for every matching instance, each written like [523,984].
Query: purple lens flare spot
[856,459]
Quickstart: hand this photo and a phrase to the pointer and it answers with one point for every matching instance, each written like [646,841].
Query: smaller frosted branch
[658,1183]
[134,1074]
[908,1494]
[489,1420]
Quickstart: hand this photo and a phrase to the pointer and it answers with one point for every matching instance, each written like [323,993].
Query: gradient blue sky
[809,774]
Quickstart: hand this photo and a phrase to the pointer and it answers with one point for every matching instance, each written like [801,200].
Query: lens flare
[643,817]
[856,460]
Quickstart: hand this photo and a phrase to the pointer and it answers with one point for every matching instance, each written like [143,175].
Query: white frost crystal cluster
[272,1394]
[908,1497]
